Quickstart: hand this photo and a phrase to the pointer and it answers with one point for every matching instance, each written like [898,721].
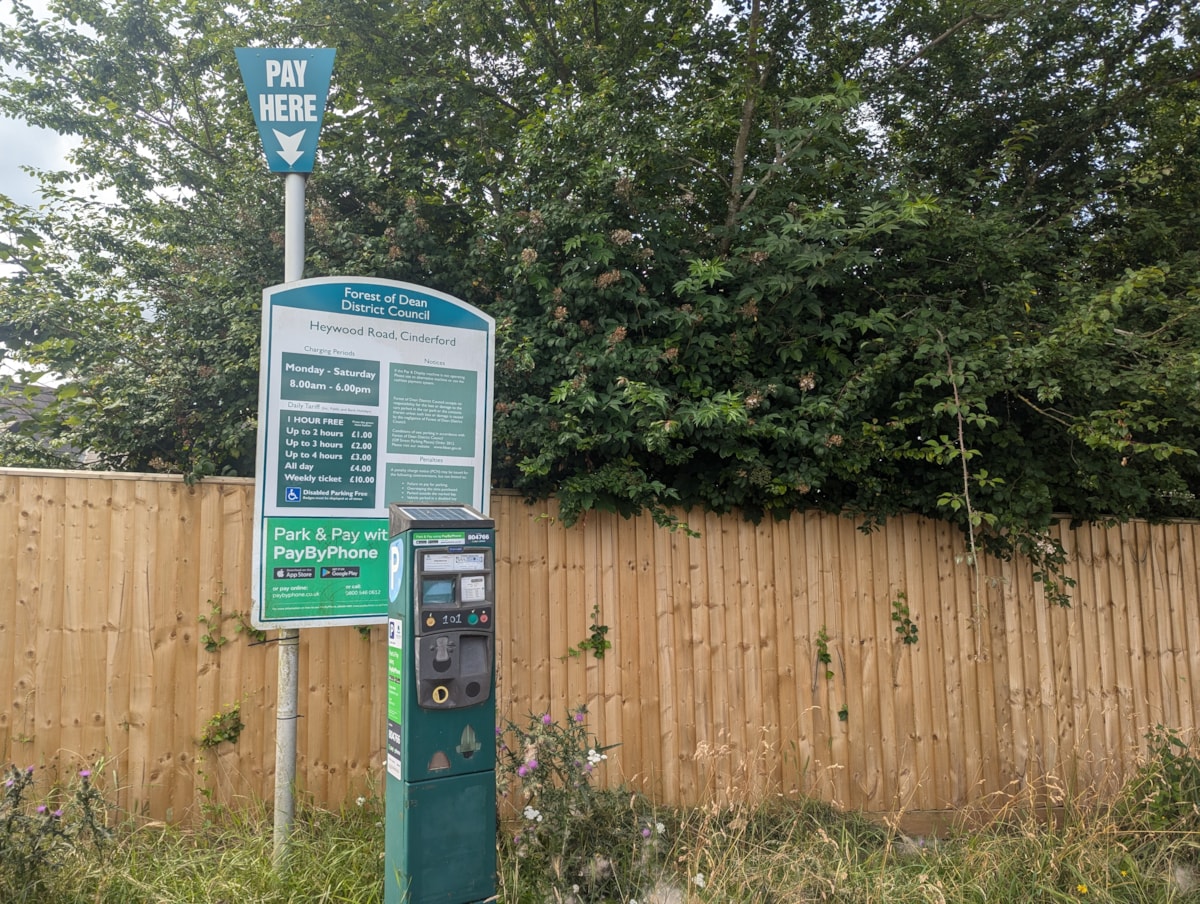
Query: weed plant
[563,837]
[37,838]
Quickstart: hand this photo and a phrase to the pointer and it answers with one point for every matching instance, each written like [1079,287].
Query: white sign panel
[372,391]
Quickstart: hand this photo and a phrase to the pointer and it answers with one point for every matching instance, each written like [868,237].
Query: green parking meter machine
[440,837]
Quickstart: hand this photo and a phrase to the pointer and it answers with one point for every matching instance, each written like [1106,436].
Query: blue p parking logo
[395,569]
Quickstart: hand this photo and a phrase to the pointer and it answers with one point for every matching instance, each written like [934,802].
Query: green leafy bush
[1165,795]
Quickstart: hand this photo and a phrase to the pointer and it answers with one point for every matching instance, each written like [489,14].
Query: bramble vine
[823,655]
[905,626]
[212,638]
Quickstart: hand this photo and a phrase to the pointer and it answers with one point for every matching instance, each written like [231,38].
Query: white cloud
[27,146]
[23,145]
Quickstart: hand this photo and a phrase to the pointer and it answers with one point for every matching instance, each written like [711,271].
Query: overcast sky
[23,145]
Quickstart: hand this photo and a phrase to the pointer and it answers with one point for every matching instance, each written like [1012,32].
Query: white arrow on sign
[291,146]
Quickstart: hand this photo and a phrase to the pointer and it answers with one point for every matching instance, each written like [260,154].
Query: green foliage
[212,638]
[823,655]
[905,626]
[597,641]
[36,838]
[19,451]
[571,838]
[1165,795]
[910,258]
[223,727]
[245,626]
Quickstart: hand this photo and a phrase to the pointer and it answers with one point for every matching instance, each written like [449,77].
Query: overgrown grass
[777,853]
[227,859]
[597,846]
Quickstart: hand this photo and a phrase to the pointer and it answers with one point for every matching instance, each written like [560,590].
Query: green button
[473,619]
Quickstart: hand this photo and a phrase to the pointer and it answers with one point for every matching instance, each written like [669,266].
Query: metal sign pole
[287,692]
[287,89]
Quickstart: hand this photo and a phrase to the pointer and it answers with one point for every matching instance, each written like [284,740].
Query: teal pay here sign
[287,89]
[371,391]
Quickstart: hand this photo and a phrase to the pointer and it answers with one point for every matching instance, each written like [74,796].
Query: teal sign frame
[371,391]
[287,89]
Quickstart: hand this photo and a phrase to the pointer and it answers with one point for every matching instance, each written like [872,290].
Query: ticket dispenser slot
[454,630]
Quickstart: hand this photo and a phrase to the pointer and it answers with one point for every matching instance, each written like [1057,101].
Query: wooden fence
[749,661]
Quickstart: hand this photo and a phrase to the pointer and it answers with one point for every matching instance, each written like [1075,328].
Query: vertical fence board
[764,598]
[515,626]
[557,612]
[666,646]
[578,616]
[119,774]
[313,730]
[1144,580]
[26,601]
[922,566]
[902,698]
[703,729]
[87,584]
[1109,731]
[542,651]
[952,610]
[634,683]
[823,637]
[1069,665]
[171,589]
[1189,593]
[807,619]
[882,790]
[718,738]
[1085,666]
[862,715]
[1183,688]
[49,665]
[604,556]
[754,714]
[1126,654]
[733,648]
[11,551]
[684,642]
[72,627]
[987,666]
[787,662]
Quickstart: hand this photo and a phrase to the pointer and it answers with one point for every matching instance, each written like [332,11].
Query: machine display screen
[462,561]
[437,591]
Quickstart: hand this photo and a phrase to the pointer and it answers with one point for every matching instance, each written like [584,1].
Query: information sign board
[371,391]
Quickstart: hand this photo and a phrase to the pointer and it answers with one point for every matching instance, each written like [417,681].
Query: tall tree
[935,257]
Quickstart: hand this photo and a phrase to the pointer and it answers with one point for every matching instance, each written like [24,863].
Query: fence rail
[751,660]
